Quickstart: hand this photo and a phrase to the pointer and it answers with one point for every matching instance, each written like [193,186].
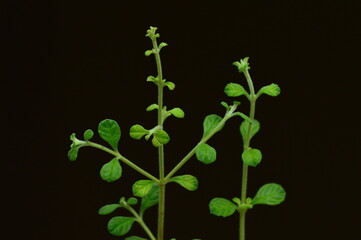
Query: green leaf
[161,45]
[177,112]
[152,107]
[252,157]
[137,131]
[109,131]
[170,85]
[224,104]
[270,194]
[152,79]
[210,123]
[119,226]
[234,90]
[132,201]
[107,209]
[271,90]
[135,238]
[236,200]
[160,137]
[222,207]
[111,171]
[206,154]
[148,53]
[142,187]
[245,127]
[88,134]
[150,199]
[189,182]
[73,153]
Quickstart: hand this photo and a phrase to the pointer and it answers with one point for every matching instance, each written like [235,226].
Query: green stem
[252,99]
[123,159]
[140,220]
[161,204]
[203,140]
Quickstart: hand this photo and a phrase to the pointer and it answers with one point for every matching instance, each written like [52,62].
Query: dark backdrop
[75,63]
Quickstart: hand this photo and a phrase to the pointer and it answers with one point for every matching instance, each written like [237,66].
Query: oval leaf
[222,207]
[177,112]
[137,131]
[252,157]
[271,90]
[234,90]
[132,201]
[88,134]
[160,137]
[270,194]
[73,153]
[150,199]
[142,187]
[170,85]
[210,123]
[109,130]
[189,182]
[206,154]
[119,226]
[111,171]
[152,107]
[107,209]
[244,128]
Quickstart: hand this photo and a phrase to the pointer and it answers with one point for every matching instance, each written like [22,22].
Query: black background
[75,63]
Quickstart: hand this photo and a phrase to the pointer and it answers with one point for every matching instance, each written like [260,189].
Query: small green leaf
[107,209]
[73,153]
[189,182]
[270,194]
[224,104]
[245,127]
[206,154]
[111,171]
[150,199]
[236,200]
[132,201]
[177,112]
[135,238]
[137,131]
[109,131]
[252,157]
[271,90]
[234,90]
[170,85]
[88,134]
[148,53]
[119,226]
[210,123]
[160,137]
[152,107]
[222,207]
[161,45]
[152,79]
[142,187]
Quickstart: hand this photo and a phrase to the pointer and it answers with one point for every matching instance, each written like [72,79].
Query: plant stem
[203,140]
[123,159]
[252,99]
[140,220]
[161,205]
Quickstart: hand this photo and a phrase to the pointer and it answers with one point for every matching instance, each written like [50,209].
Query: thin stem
[161,205]
[252,99]
[203,140]
[123,159]
[140,220]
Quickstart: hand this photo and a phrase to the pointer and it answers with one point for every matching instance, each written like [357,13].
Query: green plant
[268,194]
[152,189]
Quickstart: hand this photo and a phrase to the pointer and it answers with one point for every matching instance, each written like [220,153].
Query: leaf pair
[159,136]
[269,194]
